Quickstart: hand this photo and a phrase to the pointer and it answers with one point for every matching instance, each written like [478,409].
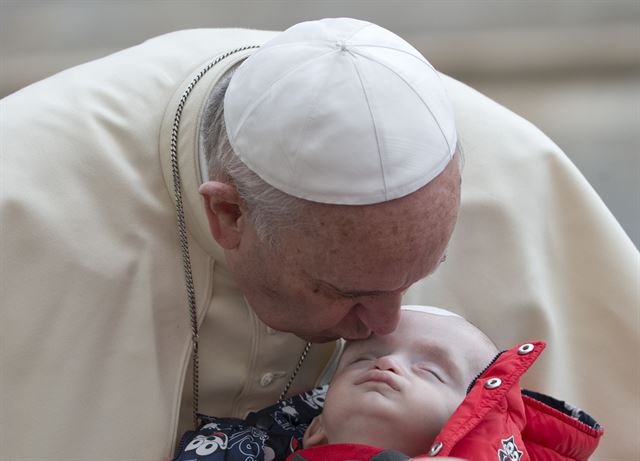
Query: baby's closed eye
[428,370]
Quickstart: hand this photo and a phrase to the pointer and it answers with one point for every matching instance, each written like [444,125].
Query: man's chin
[317,338]
[327,337]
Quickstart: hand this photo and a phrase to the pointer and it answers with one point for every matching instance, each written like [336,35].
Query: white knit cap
[430,310]
[340,111]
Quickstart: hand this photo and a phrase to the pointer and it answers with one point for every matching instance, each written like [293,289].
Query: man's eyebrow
[359,293]
[352,293]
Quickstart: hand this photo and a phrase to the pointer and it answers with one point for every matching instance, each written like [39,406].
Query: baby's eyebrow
[360,345]
[434,349]
[354,344]
[443,354]
[374,345]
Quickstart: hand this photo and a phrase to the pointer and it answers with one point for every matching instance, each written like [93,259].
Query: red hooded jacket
[496,421]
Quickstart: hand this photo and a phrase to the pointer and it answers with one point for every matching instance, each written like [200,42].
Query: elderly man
[333,257]
[333,187]
[313,182]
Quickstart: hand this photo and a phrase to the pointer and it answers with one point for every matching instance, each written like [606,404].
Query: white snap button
[435,448]
[266,379]
[492,383]
[525,349]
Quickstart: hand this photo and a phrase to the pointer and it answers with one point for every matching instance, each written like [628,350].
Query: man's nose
[380,314]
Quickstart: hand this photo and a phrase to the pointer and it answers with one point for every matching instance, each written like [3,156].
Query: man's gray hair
[270,209]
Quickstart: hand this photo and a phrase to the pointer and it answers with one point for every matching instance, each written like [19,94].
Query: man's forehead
[370,258]
[413,227]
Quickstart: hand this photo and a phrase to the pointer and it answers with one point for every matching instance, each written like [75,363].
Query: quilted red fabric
[496,421]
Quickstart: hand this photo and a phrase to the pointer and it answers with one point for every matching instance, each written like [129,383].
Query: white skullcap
[340,111]
[430,310]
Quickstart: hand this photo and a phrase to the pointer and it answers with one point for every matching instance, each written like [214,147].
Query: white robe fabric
[94,323]
[94,328]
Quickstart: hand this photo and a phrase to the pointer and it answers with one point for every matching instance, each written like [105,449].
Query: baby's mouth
[380,376]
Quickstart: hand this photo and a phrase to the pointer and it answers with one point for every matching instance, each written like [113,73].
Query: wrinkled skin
[344,274]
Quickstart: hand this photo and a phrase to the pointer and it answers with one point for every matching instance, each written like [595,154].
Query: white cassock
[94,327]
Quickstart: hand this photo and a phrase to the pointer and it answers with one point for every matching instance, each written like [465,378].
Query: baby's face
[397,391]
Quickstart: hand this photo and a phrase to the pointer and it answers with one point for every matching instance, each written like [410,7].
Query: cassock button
[266,379]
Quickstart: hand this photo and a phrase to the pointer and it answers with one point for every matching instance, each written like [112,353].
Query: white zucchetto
[340,111]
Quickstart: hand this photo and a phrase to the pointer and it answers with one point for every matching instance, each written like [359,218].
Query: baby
[436,385]
[397,391]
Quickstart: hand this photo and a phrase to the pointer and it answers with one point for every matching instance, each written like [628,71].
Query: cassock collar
[201,81]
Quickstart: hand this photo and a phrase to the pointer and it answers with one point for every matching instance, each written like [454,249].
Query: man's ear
[315,434]
[225,213]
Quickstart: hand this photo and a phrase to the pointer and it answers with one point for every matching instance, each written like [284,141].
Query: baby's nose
[388,363]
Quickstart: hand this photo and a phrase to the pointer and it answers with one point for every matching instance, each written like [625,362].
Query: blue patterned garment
[270,434]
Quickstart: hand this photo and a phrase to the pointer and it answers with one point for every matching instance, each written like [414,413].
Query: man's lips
[326,336]
[380,376]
